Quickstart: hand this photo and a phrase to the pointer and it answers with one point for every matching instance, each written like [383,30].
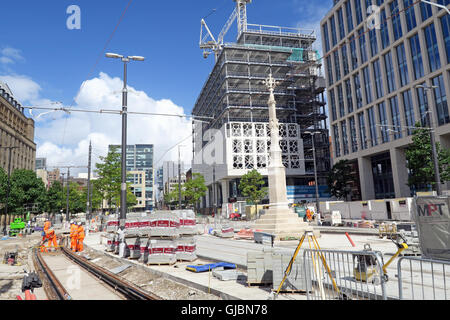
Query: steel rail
[127,289]
[58,289]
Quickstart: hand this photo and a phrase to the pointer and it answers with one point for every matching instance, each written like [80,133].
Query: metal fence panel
[341,275]
[423,279]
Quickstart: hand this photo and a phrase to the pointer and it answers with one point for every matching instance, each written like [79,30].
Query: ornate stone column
[279,220]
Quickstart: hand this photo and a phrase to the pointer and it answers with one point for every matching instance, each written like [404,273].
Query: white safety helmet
[71,221]
[79,223]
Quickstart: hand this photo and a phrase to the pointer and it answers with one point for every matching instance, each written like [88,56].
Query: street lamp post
[123,188]
[437,175]
[315,166]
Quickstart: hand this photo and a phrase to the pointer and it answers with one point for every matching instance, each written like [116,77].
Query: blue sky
[38,47]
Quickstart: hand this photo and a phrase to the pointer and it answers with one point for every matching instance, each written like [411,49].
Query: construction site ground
[174,282]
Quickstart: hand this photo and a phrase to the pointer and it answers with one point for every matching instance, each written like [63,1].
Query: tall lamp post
[315,165]
[123,188]
[430,123]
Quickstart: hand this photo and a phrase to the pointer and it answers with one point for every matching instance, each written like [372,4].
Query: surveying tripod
[311,240]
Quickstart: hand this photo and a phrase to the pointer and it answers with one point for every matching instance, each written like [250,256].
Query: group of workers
[76,236]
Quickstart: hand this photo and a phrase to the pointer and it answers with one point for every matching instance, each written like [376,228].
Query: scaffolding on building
[235,92]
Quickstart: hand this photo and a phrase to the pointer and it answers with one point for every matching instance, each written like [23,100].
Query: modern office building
[16,130]
[235,98]
[41,163]
[375,66]
[139,159]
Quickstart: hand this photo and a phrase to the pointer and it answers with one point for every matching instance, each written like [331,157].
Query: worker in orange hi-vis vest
[308,215]
[80,237]
[51,236]
[73,236]
[47,225]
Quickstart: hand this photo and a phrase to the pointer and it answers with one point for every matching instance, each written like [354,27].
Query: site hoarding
[432,218]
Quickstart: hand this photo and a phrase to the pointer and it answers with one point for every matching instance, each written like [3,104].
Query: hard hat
[71,221]
[79,223]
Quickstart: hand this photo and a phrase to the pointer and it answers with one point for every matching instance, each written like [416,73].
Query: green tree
[110,179]
[420,161]
[339,179]
[26,189]
[252,187]
[171,198]
[55,199]
[195,189]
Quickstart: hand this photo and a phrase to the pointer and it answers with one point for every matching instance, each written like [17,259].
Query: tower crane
[209,44]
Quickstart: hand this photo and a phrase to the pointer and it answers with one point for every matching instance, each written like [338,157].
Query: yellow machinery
[365,266]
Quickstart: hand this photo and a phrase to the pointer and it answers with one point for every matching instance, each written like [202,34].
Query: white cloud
[10,55]
[23,88]
[65,141]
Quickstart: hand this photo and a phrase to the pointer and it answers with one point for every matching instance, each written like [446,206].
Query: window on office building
[445,23]
[345,60]
[358,9]
[390,76]
[353,53]
[426,10]
[357,84]
[422,99]
[383,122]
[409,111]
[396,22]
[378,79]
[337,65]
[349,95]
[440,99]
[341,101]
[326,37]
[362,45]
[344,137]
[402,65]
[349,15]
[416,57]
[362,131]
[373,42]
[367,85]
[384,31]
[409,14]
[434,59]
[333,105]
[354,140]
[330,71]
[337,144]
[340,15]
[333,31]
[395,116]
[372,127]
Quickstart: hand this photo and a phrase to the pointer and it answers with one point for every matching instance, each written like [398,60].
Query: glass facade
[362,45]
[383,122]
[434,60]
[341,101]
[409,111]
[333,105]
[337,65]
[357,84]
[349,95]
[395,116]
[382,177]
[372,127]
[378,79]
[367,85]
[344,137]
[353,134]
[409,14]
[402,65]
[422,99]
[396,22]
[349,15]
[384,31]
[390,76]
[445,24]
[337,144]
[440,100]
[362,131]
[416,57]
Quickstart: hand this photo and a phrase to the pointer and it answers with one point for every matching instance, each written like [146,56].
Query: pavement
[235,251]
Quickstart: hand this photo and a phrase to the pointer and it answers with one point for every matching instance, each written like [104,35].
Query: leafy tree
[26,189]
[252,187]
[110,179]
[55,200]
[420,160]
[195,189]
[171,198]
[339,178]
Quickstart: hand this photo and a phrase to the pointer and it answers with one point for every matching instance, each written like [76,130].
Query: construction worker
[51,236]
[308,215]
[80,237]
[47,225]
[73,235]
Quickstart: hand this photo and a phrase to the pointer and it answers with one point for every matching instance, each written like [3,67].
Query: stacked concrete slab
[161,251]
[259,268]
[186,244]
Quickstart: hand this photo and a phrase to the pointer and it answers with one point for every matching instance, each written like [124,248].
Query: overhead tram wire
[96,63]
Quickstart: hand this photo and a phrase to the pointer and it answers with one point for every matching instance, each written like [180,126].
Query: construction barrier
[342,275]
[423,279]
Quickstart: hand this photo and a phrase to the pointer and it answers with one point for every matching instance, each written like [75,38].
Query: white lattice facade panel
[248,147]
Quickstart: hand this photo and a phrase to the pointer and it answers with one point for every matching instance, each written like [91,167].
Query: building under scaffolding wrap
[236,138]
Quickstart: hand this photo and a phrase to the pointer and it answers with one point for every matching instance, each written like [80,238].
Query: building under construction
[232,136]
